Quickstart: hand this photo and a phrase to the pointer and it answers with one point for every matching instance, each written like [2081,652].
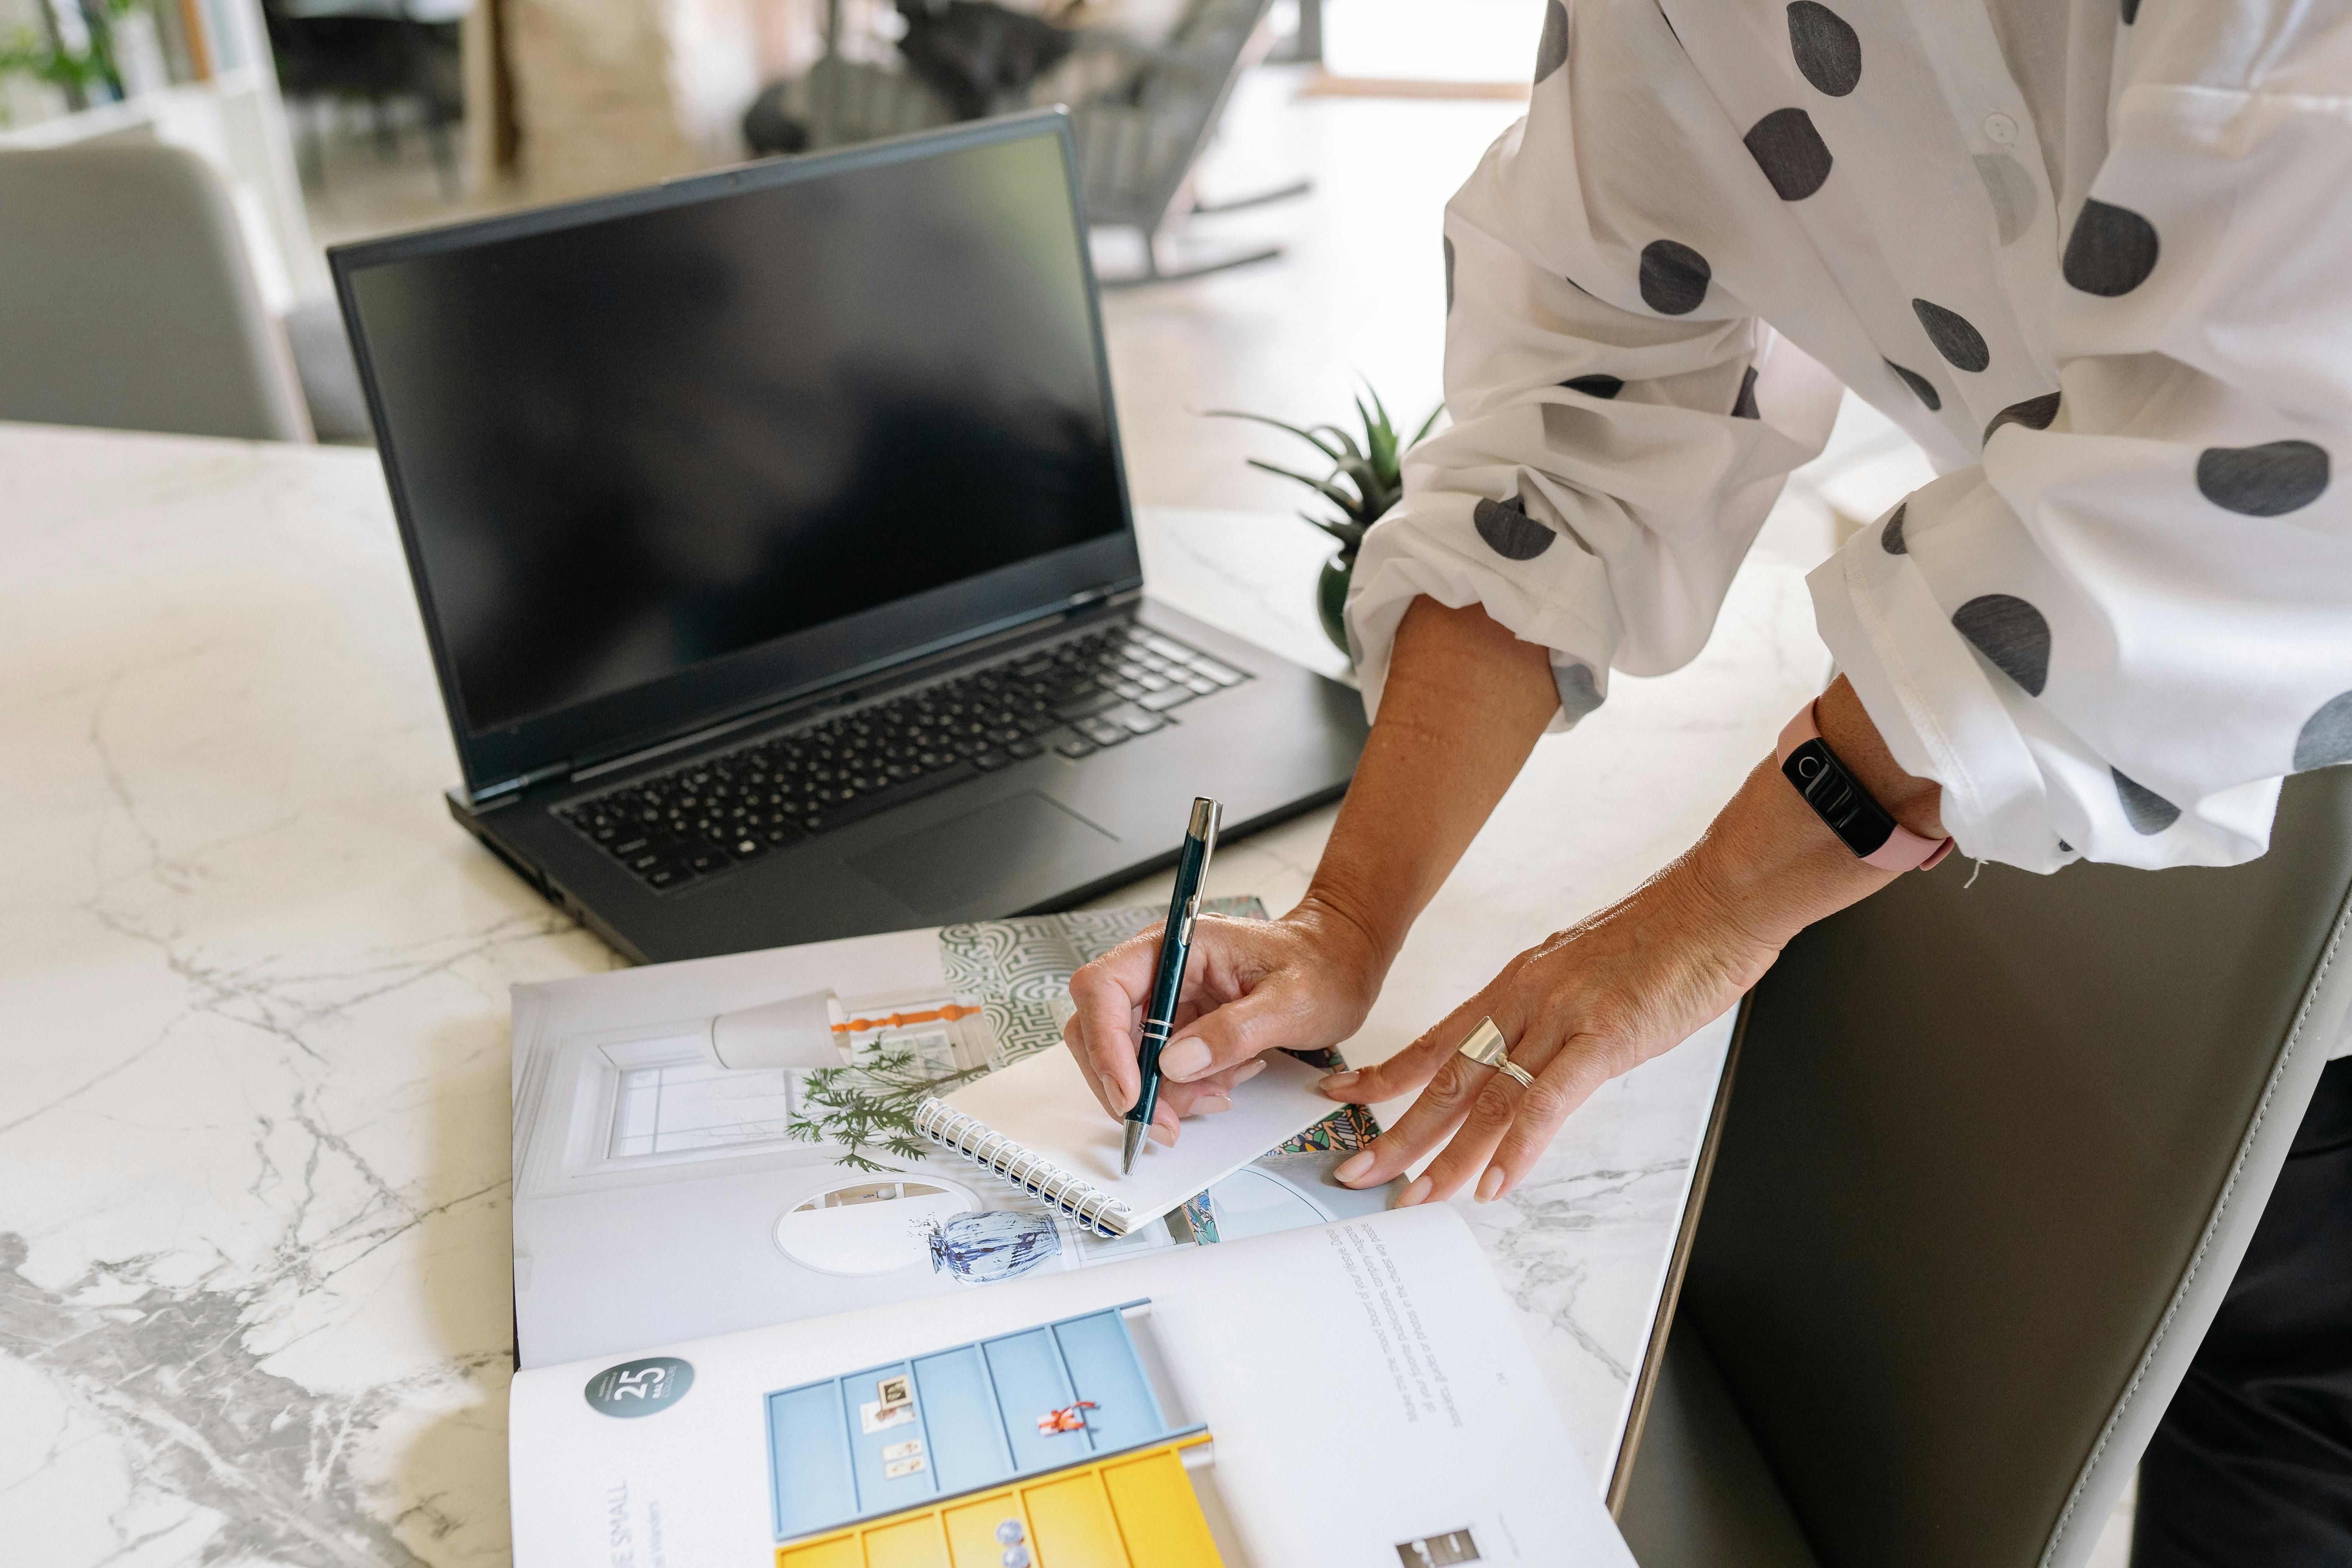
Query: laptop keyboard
[1076,696]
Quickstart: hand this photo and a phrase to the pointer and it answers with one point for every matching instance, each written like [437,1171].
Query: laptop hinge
[492,793]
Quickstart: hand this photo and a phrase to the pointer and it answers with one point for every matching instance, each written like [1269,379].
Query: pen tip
[1135,1136]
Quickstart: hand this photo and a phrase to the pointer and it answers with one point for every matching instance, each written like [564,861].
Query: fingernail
[1188,1057]
[1416,1194]
[1249,1072]
[1350,1171]
[1338,1084]
[1491,1184]
[1165,1136]
[1210,1104]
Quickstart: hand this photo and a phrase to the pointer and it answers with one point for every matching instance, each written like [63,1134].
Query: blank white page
[1042,1102]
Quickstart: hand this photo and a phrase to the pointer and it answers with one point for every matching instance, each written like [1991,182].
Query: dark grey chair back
[127,300]
[1991,1158]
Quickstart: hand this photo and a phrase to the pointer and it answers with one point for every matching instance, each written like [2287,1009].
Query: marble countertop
[254,1159]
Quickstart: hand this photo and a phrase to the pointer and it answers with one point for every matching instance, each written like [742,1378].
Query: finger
[1187,1097]
[1440,1108]
[1405,1072]
[1470,1149]
[1567,1082]
[1274,1016]
[1077,1050]
[1110,995]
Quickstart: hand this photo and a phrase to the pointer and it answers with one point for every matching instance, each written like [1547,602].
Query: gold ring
[1484,1047]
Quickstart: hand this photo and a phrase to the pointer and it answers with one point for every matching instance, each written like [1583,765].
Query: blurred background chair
[130,301]
[393,55]
[1141,141]
[1990,1159]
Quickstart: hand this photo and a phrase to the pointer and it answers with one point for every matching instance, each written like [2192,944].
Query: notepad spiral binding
[1073,1196]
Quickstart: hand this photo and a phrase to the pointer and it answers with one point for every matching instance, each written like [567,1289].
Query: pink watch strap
[1903,850]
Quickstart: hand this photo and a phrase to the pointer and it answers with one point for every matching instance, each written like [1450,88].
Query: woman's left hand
[1580,1007]
[1606,995]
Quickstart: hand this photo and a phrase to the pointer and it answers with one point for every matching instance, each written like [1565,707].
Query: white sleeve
[2116,635]
[1611,458]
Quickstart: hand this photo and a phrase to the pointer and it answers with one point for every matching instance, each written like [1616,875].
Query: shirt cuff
[1429,547]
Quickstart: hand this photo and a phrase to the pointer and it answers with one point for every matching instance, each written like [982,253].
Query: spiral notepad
[1037,1125]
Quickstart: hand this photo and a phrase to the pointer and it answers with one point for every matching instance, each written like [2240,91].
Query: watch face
[1860,821]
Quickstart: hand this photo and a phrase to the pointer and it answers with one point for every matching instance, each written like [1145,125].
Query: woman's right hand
[1301,983]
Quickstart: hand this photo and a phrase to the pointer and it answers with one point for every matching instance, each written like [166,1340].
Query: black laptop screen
[636,445]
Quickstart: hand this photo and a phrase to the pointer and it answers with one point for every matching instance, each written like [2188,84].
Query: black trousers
[2251,1465]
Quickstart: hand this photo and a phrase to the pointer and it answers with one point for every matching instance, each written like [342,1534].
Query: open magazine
[1350,1395]
[660,1196]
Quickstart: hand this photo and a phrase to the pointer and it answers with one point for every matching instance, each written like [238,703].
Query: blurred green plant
[27,50]
[1366,478]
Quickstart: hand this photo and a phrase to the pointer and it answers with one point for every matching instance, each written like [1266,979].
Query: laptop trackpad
[987,857]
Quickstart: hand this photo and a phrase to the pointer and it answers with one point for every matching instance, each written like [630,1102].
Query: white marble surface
[254,1291]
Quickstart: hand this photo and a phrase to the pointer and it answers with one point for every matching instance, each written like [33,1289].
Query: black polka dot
[1790,152]
[1744,406]
[1578,693]
[1890,538]
[2130,10]
[2010,190]
[2034,414]
[1826,49]
[2111,252]
[2012,634]
[2326,737]
[1551,50]
[1960,344]
[2064,848]
[1449,277]
[1600,386]
[1673,278]
[1510,531]
[2147,812]
[1921,387]
[2268,480]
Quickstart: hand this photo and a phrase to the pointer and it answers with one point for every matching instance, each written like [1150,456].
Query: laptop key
[1101,732]
[1139,723]
[1026,749]
[1094,701]
[1161,701]
[1217,672]
[668,875]
[989,761]
[1077,746]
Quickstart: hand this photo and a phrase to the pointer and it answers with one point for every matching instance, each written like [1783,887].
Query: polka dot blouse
[2096,256]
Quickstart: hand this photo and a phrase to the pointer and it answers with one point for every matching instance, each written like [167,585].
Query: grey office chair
[129,301]
[1990,1160]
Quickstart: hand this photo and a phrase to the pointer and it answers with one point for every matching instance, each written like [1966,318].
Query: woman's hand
[1606,995]
[1300,983]
[1577,1009]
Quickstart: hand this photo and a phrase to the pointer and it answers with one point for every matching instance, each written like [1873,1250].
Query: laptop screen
[633,446]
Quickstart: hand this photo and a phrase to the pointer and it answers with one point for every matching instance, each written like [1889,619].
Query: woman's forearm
[1463,705]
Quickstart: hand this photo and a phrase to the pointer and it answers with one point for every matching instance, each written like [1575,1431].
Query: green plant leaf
[1423,434]
[1346,503]
[1344,439]
[1307,435]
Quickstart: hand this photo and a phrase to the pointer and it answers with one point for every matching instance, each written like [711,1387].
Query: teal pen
[1167,978]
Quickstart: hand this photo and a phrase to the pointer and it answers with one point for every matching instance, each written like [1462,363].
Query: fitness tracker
[1861,823]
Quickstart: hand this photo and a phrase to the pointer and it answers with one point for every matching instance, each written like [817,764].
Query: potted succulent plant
[1364,482]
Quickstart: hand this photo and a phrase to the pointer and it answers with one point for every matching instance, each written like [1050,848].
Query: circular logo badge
[640,1388]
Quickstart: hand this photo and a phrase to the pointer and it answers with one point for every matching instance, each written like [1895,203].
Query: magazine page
[661,1196]
[1354,1395]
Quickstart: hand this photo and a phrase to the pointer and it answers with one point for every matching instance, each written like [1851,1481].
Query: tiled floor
[1358,292]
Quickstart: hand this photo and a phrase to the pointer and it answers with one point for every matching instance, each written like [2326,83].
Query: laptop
[773,542]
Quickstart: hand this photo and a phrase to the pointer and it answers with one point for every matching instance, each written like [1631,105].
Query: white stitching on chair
[2197,1260]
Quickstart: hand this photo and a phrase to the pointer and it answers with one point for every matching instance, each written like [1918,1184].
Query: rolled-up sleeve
[2113,637]
[1622,423]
